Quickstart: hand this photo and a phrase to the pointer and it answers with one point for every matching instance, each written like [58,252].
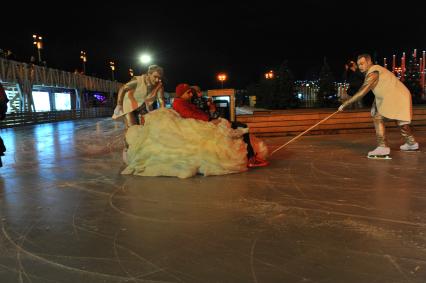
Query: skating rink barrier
[292,122]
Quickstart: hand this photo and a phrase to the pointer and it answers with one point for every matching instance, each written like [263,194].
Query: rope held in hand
[301,134]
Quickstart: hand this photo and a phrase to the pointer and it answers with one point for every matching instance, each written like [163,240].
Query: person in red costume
[182,104]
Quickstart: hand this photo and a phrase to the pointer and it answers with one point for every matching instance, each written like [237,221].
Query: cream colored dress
[169,145]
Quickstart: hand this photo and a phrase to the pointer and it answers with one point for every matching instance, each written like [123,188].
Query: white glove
[341,107]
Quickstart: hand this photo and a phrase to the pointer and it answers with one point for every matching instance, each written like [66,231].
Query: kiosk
[225,102]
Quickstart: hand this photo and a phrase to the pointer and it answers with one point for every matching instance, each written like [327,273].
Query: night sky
[193,42]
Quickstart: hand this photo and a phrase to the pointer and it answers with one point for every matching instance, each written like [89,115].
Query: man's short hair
[155,68]
[365,55]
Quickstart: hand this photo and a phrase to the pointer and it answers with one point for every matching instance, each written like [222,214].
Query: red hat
[181,89]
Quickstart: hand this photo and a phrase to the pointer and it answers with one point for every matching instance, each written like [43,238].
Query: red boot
[256,161]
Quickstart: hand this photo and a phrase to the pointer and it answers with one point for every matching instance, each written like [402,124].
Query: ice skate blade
[411,150]
[386,157]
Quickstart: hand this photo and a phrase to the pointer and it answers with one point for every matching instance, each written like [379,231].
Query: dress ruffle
[168,145]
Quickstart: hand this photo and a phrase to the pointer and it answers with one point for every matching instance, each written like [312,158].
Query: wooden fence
[292,122]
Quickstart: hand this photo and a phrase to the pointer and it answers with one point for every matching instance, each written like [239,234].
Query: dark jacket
[355,79]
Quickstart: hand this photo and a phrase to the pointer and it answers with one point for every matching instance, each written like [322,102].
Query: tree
[263,90]
[276,92]
[284,96]
[327,95]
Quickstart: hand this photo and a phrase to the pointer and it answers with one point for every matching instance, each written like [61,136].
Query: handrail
[30,118]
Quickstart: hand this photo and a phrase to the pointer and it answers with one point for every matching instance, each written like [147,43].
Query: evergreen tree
[264,91]
[327,94]
[284,96]
[276,92]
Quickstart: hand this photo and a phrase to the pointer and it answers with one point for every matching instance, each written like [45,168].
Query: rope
[301,134]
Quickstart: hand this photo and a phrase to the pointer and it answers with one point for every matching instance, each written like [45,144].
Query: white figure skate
[381,152]
[408,147]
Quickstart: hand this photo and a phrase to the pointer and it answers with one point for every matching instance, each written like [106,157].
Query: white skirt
[169,145]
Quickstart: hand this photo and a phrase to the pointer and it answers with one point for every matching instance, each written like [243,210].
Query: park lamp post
[269,75]
[112,66]
[83,58]
[37,41]
[222,77]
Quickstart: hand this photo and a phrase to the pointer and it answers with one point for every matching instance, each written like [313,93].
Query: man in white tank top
[136,98]
[392,101]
